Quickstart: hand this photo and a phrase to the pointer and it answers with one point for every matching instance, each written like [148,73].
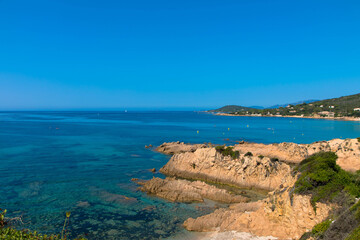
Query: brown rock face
[185,191]
[348,151]
[178,147]
[280,215]
[247,171]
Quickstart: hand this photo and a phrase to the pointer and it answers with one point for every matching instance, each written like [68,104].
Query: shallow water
[53,162]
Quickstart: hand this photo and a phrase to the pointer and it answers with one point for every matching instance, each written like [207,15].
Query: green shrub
[261,156]
[248,154]
[11,233]
[193,165]
[358,139]
[227,151]
[324,179]
[354,235]
[320,228]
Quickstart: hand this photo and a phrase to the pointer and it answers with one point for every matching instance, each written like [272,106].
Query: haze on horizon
[189,54]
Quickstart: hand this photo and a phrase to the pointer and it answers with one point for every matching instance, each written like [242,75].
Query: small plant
[274,159]
[193,165]
[228,151]
[67,219]
[358,139]
[2,218]
[261,156]
[248,154]
[8,232]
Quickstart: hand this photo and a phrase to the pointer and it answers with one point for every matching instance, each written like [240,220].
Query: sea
[83,162]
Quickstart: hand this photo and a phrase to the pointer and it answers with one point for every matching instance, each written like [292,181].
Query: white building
[356,109]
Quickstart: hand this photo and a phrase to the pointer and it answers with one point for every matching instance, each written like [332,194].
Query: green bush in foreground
[7,232]
[10,233]
[228,151]
[324,179]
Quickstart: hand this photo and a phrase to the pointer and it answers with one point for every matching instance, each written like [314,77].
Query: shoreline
[289,116]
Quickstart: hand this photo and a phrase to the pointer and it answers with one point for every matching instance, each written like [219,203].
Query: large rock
[281,215]
[178,147]
[246,171]
[179,190]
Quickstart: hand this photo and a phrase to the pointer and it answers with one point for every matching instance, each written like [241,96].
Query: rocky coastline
[283,214]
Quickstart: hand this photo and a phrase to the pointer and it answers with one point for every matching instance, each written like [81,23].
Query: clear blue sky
[123,54]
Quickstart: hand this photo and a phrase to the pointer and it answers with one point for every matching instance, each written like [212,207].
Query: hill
[232,109]
[296,103]
[346,106]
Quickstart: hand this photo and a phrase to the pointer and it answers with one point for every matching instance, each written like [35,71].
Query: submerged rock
[177,190]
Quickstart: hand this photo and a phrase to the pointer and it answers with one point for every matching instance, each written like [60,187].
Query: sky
[194,54]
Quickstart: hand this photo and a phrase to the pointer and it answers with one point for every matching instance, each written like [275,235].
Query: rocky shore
[179,190]
[283,214]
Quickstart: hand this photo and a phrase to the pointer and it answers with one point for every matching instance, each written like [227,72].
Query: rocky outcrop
[282,214]
[178,190]
[178,147]
[348,151]
[246,171]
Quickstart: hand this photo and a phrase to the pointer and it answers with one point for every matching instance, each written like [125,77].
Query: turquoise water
[83,162]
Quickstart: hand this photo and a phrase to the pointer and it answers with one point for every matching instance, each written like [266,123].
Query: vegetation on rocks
[325,181]
[248,154]
[321,177]
[320,228]
[228,151]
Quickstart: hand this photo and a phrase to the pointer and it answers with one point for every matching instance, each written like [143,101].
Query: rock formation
[246,171]
[348,151]
[185,191]
[282,214]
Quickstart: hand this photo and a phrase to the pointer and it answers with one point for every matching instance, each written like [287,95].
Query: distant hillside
[232,109]
[347,106]
[256,107]
[296,103]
